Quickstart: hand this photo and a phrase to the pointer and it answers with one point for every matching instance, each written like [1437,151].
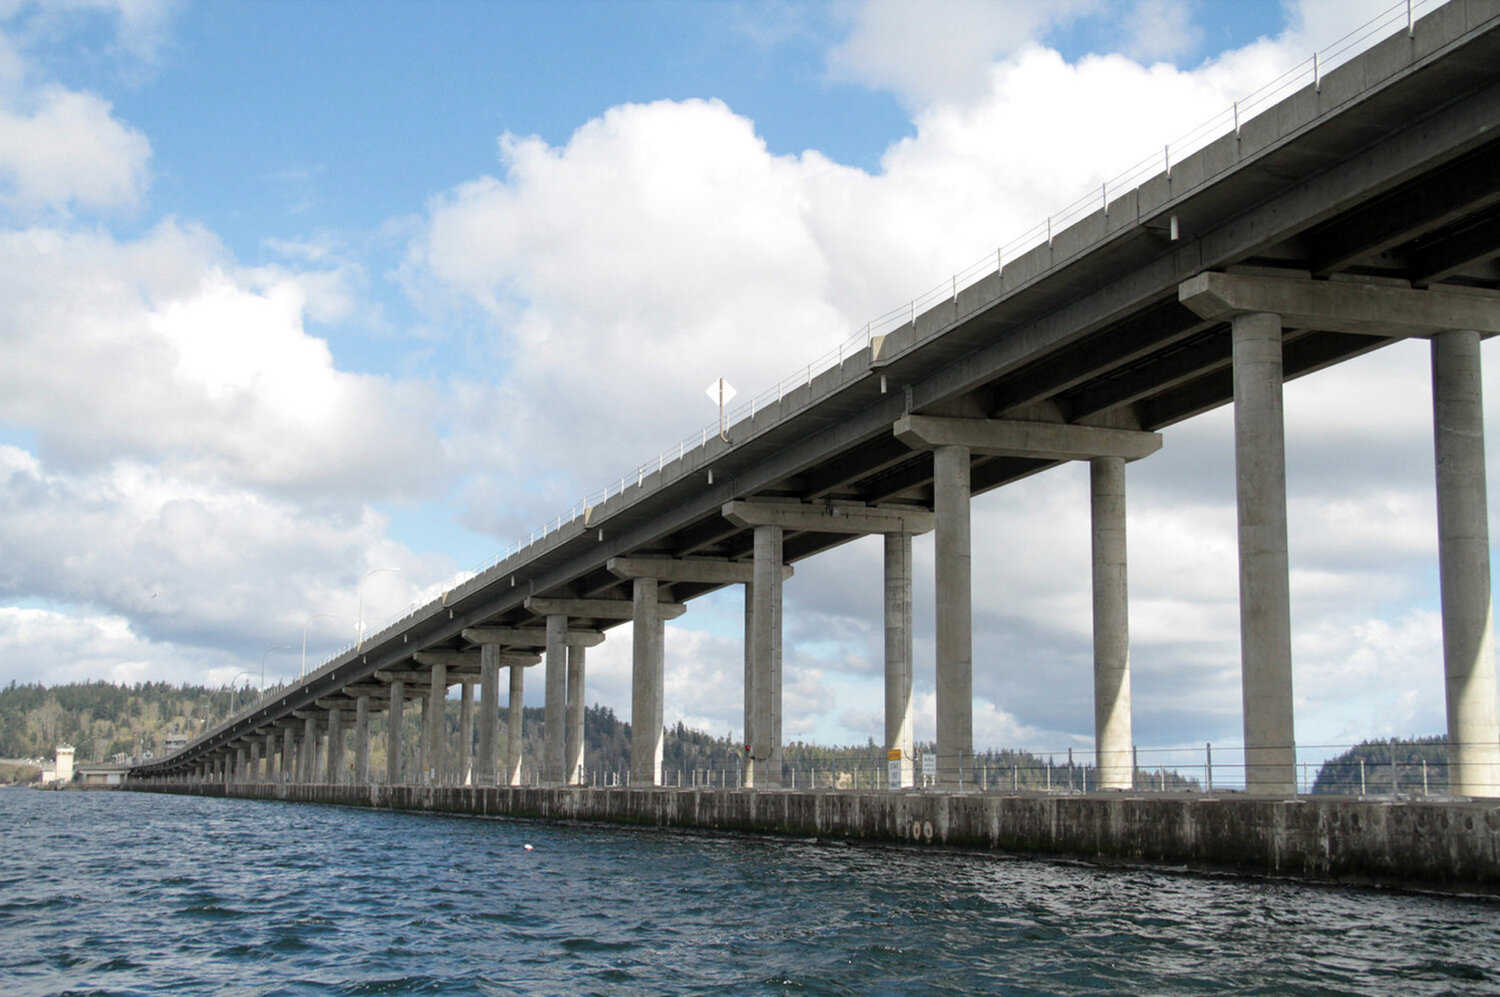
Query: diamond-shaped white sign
[720,392]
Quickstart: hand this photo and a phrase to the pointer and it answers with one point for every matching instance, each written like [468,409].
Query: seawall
[1447,845]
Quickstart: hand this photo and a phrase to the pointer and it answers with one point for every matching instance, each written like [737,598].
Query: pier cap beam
[829,517]
[701,571]
[597,609]
[527,637]
[464,661]
[1341,305]
[1020,438]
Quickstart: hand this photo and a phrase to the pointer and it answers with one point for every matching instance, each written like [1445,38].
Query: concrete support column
[437,699]
[1464,565]
[647,687]
[253,773]
[424,735]
[466,735]
[362,739]
[898,653]
[1265,591]
[288,753]
[489,714]
[554,737]
[309,753]
[335,746]
[955,653]
[748,776]
[1112,736]
[513,732]
[763,765]
[239,764]
[393,721]
[573,749]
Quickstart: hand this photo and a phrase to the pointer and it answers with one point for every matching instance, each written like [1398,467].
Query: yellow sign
[893,755]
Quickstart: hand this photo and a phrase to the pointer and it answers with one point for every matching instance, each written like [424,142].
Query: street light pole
[305,622]
[278,647]
[359,637]
[234,689]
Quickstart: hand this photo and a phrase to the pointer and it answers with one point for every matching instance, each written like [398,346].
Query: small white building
[62,767]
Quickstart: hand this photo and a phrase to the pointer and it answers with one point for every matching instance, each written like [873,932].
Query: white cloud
[64,151]
[193,562]
[1159,29]
[930,53]
[160,349]
[38,645]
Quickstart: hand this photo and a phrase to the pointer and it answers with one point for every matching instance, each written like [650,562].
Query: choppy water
[123,893]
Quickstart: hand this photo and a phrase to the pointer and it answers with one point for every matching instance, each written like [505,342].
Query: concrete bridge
[1361,210]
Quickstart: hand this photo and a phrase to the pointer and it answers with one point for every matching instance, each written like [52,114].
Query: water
[125,893]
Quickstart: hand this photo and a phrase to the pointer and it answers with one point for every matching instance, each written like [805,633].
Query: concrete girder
[1477,244]
[1017,438]
[1384,223]
[598,609]
[700,571]
[527,637]
[424,677]
[829,518]
[448,659]
[1341,305]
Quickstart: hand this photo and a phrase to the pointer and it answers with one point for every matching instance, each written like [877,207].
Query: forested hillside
[102,720]
[1368,767]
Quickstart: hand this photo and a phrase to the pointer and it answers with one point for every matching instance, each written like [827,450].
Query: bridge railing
[1401,14]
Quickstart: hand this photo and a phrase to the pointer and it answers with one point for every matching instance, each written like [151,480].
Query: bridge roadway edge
[1447,845]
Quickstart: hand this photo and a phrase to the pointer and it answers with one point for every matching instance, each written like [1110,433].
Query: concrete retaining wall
[1451,845]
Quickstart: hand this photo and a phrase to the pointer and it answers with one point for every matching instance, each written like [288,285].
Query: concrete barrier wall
[1450,845]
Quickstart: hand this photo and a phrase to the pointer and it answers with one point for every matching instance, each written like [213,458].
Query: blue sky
[289,291]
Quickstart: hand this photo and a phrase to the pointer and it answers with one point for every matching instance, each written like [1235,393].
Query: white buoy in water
[528,847]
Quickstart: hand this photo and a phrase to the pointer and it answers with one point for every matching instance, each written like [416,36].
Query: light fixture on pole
[234,689]
[722,393]
[305,622]
[359,639]
[278,647]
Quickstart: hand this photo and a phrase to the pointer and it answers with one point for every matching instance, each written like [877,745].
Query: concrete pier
[394,774]
[898,653]
[574,744]
[554,736]
[487,763]
[437,729]
[763,733]
[307,756]
[1265,591]
[955,650]
[646,686]
[513,732]
[362,739]
[335,746]
[1464,564]
[1112,734]
[465,775]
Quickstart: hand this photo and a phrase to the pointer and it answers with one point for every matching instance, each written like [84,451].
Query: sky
[291,292]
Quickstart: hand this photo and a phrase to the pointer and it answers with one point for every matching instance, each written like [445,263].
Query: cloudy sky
[293,291]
